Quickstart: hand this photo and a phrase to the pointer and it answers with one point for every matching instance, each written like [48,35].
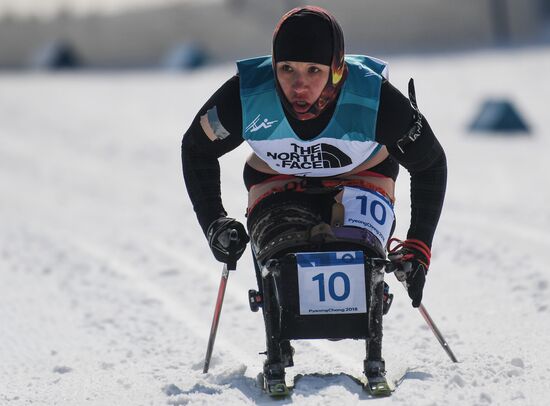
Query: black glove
[411,258]
[225,248]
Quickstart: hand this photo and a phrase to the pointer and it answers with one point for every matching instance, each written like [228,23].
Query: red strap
[397,247]
[419,246]
[414,244]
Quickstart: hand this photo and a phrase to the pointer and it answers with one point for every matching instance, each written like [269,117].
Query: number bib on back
[331,282]
[370,210]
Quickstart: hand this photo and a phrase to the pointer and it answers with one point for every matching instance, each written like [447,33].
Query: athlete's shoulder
[255,72]
[226,95]
[362,62]
[256,61]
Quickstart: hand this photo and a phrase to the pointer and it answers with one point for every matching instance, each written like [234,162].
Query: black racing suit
[424,158]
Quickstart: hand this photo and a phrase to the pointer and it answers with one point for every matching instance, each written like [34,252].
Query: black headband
[305,36]
[311,34]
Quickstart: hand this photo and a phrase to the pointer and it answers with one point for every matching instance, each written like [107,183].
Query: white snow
[107,286]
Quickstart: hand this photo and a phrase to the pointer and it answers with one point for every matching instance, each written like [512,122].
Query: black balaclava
[311,34]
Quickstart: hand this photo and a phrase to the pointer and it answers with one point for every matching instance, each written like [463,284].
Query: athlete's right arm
[215,130]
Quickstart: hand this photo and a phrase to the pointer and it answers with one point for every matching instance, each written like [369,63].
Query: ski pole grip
[233,240]
[401,270]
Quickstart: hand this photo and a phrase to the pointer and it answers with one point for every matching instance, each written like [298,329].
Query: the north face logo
[318,156]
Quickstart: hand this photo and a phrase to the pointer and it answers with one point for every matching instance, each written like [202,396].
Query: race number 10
[376,209]
[365,208]
[331,282]
[331,286]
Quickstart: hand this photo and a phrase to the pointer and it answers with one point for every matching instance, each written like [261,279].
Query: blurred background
[190,33]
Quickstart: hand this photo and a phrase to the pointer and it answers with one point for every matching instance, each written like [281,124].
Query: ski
[377,386]
[275,387]
[376,383]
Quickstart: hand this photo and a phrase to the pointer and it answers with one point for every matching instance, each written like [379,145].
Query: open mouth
[300,106]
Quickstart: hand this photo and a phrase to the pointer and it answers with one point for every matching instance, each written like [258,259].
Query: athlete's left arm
[424,158]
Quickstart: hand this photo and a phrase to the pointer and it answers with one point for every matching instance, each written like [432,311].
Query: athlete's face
[302,82]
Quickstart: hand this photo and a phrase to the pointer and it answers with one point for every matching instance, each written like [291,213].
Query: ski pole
[436,332]
[401,275]
[230,266]
[434,328]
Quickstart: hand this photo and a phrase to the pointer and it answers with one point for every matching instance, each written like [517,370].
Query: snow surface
[107,286]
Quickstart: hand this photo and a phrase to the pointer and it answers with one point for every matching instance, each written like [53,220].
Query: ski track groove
[173,306]
[103,335]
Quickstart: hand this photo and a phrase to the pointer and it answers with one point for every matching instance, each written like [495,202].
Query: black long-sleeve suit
[424,158]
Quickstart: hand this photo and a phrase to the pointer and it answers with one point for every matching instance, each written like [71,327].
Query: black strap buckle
[416,129]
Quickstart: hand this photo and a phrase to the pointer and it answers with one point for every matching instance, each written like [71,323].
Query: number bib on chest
[331,282]
[368,209]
